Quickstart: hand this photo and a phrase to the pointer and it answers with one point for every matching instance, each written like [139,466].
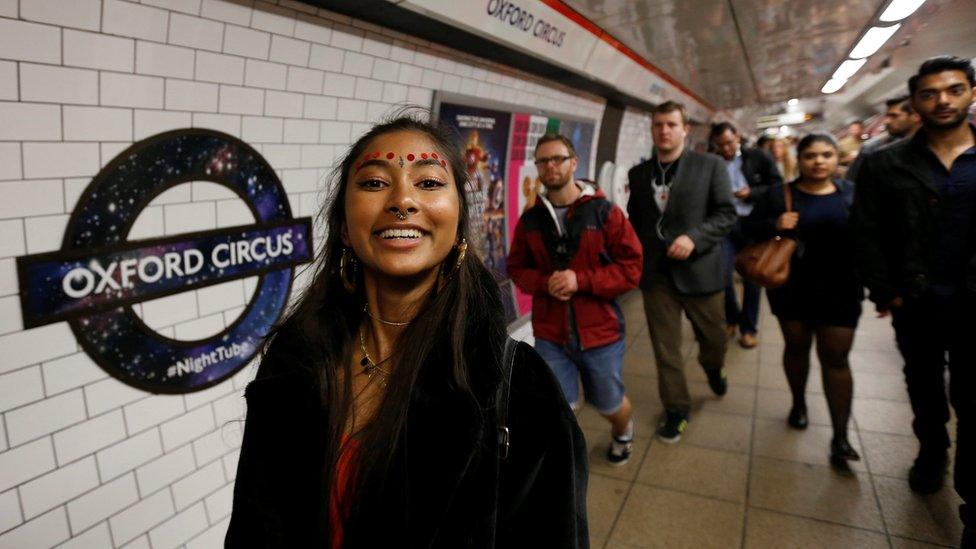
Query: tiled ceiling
[737,52]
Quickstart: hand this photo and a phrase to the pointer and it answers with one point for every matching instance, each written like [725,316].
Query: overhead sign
[539,30]
[782,119]
[97,275]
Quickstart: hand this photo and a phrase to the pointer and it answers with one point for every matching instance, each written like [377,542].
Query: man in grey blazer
[681,207]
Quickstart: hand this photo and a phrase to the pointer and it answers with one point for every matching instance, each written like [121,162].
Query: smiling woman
[374,402]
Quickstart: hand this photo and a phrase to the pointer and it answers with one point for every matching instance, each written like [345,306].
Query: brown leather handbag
[768,263]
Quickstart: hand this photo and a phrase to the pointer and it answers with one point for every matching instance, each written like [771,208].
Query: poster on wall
[98,275]
[498,142]
[484,142]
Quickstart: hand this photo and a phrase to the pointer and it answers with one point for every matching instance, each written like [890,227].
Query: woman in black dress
[372,420]
[822,298]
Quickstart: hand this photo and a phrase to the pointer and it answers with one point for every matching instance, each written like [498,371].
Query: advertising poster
[484,139]
[523,179]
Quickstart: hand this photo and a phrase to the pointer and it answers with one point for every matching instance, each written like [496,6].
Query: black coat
[760,171]
[700,206]
[444,488]
[897,208]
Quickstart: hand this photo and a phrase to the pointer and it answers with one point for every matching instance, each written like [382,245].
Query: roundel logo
[98,274]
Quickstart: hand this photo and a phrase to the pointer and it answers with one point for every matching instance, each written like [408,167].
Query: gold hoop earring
[462,250]
[347,262]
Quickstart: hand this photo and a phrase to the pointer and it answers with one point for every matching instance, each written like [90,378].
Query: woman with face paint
[822,298]
[371,421]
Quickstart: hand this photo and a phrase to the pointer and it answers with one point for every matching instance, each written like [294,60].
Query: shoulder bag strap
[788,197]
[502,396]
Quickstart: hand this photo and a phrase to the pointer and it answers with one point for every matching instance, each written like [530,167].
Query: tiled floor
[740,477]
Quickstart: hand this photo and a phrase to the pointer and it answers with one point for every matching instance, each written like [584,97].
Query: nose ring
[400,214]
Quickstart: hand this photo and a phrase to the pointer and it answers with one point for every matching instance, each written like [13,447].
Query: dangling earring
[462,250]
[347,262]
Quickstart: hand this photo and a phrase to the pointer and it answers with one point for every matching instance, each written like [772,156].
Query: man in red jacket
[575,252]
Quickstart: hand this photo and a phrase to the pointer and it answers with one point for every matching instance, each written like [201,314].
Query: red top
[339,503]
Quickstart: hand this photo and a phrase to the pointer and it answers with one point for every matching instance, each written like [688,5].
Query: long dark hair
[462,319]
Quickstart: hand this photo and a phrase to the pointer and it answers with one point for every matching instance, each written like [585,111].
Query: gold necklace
[387,322]
[370,368]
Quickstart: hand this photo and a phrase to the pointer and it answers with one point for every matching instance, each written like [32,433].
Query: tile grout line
[870,476]
[752,448]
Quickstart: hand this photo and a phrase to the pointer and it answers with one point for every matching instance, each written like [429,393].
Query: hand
[787,221]
[896,303]
[681,248]
[743,193]
[563,284]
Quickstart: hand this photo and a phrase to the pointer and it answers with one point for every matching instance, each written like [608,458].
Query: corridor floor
[740,477]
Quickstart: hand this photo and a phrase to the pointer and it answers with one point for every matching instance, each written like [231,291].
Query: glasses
[555,160]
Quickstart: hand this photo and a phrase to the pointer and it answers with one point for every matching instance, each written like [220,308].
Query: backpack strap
[502,395]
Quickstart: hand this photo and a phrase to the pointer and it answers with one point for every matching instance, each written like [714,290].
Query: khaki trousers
[663,306]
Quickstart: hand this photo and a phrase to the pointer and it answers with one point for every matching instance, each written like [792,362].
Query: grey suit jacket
[700,206]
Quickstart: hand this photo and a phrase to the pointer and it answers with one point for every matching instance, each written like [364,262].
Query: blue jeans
[600,368]
[747,317]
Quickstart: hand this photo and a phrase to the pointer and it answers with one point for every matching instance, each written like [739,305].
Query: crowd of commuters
[384,392]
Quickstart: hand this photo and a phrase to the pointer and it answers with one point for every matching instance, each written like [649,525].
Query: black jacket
[760,171]
[444,488]
[896,217]
[700,206]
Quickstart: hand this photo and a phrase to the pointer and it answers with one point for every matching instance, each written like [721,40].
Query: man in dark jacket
[575,252]
[915,213]
[901,121]
[752,172]
[681,207]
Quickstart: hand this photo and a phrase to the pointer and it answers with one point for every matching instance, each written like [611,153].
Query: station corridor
[740,477]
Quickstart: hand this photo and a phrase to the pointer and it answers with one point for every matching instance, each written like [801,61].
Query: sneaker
[674,424]
[718,382]
[619,451]
[925,476]
[748,341]
[730,330]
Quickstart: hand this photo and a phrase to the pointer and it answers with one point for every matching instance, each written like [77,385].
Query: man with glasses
[681,207]
[575,252]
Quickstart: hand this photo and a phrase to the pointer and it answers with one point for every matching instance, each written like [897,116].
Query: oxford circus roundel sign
[98,275]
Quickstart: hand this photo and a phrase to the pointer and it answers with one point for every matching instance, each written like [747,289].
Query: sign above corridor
[552,31]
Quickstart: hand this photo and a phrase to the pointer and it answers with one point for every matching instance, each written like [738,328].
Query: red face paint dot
[410,157]
[443,164]
[389,156]
[434,155]
[376,154]
[423,155]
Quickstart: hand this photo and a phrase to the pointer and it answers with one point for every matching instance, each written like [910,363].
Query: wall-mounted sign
[553,31]
[97,275]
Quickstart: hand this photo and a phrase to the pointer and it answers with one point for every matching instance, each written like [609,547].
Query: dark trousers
[746,317]
[933,332]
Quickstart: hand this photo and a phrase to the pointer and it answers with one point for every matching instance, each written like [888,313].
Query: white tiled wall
[634,145]
[85,460]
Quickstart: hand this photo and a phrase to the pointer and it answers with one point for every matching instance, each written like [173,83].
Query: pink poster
[523,180]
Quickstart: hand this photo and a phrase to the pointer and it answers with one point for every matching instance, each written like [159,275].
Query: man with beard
[916,242]
[575,252]
[901,121]
[681,207]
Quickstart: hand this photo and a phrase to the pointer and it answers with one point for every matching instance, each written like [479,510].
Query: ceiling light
[848,68]
[873,40]
[900,9]
[833,85]
[793,102]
